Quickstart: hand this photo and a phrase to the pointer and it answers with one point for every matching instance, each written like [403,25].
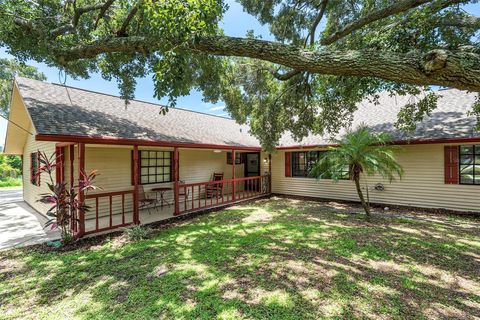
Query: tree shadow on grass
[271,259]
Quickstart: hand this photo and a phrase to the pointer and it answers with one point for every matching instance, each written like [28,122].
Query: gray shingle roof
[61,110]
[448,121]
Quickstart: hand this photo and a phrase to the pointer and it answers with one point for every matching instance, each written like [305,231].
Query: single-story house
[188,161]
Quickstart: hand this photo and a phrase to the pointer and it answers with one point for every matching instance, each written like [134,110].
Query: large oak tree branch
[461,21]
[280,76]
[397,7]
[458,69]
[433,9]
[80,11]
[131,13]
[316,22]
[103,11]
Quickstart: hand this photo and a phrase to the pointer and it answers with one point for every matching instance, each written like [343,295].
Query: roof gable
[19,125]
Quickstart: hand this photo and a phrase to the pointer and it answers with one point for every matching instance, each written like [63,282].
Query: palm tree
[362,152]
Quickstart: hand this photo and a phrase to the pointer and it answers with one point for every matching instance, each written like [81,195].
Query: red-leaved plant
[63,200]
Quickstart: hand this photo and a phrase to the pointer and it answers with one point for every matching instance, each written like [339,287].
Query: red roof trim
[121,141]
[399,142]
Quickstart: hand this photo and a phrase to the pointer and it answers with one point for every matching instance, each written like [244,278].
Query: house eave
[397,142]
[138,142]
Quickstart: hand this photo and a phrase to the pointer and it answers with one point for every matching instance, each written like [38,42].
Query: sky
[236,22]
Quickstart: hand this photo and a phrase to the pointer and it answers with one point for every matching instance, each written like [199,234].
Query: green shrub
[136,232]
[10,166]
[10,182]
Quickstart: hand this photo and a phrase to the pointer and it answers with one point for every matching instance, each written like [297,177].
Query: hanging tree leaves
[325,57]
[9,68]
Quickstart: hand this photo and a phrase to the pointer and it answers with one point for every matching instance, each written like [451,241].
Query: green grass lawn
[10,182]
[278,259]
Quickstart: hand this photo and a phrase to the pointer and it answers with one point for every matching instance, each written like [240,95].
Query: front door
[252,169]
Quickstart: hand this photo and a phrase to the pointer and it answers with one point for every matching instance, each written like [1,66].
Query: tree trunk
[365,205]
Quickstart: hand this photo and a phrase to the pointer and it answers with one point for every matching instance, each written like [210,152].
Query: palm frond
[367,152]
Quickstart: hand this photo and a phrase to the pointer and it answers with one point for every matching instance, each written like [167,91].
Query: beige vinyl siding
[113,165]
[31,192]
[422,185]
[198,165]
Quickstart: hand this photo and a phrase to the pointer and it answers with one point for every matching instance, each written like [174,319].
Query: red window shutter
[35,168]
[39,164]
[32,173]
[288,164]
[451,164]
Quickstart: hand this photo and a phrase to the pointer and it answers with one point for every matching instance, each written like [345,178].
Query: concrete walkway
[20,225]
[8,195]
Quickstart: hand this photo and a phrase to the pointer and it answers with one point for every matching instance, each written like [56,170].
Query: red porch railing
[109,210]
[204,195]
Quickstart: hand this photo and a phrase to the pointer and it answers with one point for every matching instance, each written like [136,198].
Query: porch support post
[59,159]
[233,175]
[71,156]
[176,168]
[81,194]
[269,173]
[72,159]
[136,212]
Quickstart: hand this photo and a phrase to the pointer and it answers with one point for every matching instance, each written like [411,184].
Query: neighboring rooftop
[61,110]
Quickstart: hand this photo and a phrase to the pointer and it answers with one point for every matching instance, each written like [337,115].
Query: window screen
[469,164]
[155,166]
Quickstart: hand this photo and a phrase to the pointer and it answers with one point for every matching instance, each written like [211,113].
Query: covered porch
[142,184]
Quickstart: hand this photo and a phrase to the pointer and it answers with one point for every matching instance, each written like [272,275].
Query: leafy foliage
[10,163]
[136,232]
[8,69]
[365,153]
[62,198]
[264,83]
[412,113]
[10,182]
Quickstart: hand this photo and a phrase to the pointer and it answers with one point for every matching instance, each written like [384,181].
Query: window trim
[140,167]
[473,164]
[294,161]
[34,170]
[238,158]
[318,152]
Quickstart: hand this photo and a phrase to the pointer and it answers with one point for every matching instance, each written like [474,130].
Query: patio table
[161,191]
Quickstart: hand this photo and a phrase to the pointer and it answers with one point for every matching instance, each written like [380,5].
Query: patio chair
[215,189]
[145,201]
